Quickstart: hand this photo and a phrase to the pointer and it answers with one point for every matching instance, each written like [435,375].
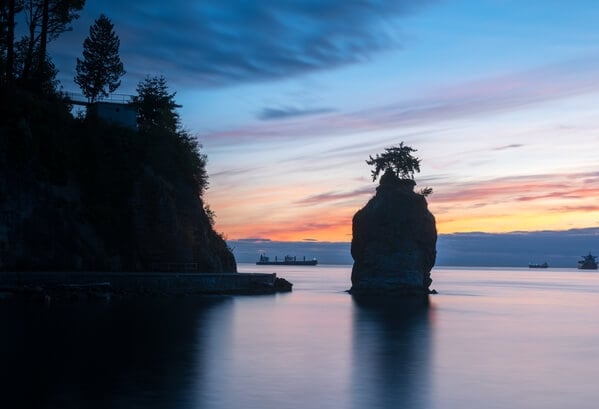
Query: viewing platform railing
[80,99]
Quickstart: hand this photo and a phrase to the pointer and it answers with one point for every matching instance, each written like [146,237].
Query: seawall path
[145,283]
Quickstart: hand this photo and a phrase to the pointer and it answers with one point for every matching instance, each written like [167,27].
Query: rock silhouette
[394,241]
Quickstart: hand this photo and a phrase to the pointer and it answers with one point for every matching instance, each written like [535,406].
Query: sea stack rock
[394,241]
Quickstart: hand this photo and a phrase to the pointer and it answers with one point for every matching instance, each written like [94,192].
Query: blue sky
[289,98]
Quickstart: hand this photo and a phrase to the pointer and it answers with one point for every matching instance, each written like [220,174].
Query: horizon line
[268,240]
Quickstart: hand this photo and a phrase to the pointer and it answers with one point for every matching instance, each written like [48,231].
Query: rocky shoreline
[48,286]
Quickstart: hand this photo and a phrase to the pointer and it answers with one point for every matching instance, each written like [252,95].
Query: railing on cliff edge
[78,98]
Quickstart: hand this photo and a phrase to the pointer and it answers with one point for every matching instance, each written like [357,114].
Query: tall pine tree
[99,72]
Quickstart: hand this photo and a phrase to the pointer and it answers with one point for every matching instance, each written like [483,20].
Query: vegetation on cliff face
[83,194]
[80,194]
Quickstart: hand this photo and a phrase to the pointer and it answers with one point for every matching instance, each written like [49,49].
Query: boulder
[394,241]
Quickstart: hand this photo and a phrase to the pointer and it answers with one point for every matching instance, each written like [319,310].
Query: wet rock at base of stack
[394,241]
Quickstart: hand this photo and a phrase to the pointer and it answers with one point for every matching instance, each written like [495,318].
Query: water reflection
[105,355]
[391,353]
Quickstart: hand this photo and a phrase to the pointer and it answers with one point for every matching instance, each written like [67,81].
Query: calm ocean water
[491,338]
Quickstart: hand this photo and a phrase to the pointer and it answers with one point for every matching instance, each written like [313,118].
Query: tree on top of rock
[397,159]
[99,72]
[397,162]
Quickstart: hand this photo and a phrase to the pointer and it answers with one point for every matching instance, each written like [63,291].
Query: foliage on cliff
[81,194]
[25,61]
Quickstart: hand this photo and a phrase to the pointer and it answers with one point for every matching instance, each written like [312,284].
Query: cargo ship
[287,261]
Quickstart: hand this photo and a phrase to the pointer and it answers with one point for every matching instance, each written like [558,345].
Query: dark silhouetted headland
[84,195]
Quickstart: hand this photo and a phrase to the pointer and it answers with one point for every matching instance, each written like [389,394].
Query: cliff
[81,195]
[394,241]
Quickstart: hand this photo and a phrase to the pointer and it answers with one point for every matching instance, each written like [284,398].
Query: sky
[289,98]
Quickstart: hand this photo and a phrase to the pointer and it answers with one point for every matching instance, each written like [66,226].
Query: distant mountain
[516,249]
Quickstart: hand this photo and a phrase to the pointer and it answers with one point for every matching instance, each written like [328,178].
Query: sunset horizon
[498,98]
[515,204]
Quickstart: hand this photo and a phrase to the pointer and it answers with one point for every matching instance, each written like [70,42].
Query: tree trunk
[29,57]
[32,22]
[10,45]
[43,39]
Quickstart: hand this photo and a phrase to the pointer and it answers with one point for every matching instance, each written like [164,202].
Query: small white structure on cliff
[114,113]
[115,109]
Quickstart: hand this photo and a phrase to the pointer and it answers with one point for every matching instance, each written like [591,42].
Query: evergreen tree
[397,159]
[159,122]
[99,72]
[397,162]
[156,107]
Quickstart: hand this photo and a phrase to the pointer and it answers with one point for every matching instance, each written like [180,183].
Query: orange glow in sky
[506,130]
[551,202]
[500,99]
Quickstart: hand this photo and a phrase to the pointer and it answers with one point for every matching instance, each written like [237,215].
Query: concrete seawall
[147,283]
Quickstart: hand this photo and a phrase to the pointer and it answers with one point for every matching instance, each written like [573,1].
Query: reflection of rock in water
[97,355]
[391,354]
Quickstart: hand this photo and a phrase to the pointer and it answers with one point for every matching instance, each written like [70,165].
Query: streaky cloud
[520,188]
[268,114]
[511,146]
[232,172]
[255,240]
[465,100]
[581,208]
[218,43]
[335,196]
